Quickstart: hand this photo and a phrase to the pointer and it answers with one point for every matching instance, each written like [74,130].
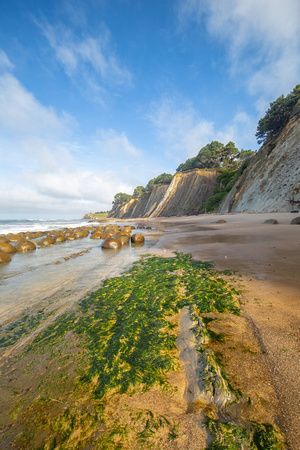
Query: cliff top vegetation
[164,178]
[216,155]
[278,115]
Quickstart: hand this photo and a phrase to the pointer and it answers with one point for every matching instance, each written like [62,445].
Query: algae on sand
[117,342]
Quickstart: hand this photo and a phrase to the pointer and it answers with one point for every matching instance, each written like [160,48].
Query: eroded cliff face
[141,207]
[272,180]
[187,193]
[184,196]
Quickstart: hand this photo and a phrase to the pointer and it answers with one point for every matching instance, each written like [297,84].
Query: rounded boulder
[137,238]
[296,221]
[4,257]
[123,238]
[45,242]
[25,246]
[111,243]
[11,237]
[7,247]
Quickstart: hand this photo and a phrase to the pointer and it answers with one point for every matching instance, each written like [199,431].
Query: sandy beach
[261,349]
[267,256]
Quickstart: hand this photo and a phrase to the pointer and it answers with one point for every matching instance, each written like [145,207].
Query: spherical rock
[25,246]
[96,235]
[111,243]
[78,234]
[126,230]
[4,257]
[107,234]
[28,236]
[123,238]
[271,221]
[45,242]
[7,247]
[137,238]
[60,237]
[11,237]
[3,238]
[296,221]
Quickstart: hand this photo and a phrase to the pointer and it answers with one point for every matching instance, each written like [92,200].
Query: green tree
[278,115]
[138,192]
[121,197]
[213,156]
[164,178]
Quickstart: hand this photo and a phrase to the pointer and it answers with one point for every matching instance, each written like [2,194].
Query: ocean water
[57,276]
[16,226]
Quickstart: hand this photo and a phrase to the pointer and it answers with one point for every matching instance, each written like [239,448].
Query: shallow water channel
[44,276]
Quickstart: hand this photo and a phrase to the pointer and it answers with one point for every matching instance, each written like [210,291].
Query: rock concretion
[295,221]
[7,247]
[4,257]
[137,238]
[111,243]
[25,246]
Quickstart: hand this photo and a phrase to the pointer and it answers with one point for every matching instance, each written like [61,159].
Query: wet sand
[267,256]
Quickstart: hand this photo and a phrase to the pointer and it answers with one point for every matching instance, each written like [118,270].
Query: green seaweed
[261,436]
[17,329]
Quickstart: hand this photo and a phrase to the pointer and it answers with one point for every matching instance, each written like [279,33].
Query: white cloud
[113,143]
[22,114]
[262,38]
[43,169]
[5,63]
[180,127]
[88,61]
[184,132]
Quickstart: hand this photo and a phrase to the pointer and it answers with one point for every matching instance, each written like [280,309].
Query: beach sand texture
[265,360]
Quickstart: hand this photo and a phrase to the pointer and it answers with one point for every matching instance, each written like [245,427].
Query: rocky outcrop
[272,180]
[184,196]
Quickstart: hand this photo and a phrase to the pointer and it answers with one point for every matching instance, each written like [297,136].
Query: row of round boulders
[21,246]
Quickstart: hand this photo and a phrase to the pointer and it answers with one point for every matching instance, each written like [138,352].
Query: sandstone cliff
[272,180]
[187,193]
[184,196]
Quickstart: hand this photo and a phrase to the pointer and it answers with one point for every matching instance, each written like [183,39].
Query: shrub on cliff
[121,197]
[164,178]
[278,115]
[216,155]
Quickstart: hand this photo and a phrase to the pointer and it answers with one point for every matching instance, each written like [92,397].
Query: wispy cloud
[261,38]
[88,60]
[115,144]
[184,132]
[5,63]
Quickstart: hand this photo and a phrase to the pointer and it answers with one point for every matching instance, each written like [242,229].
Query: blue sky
[99,96]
